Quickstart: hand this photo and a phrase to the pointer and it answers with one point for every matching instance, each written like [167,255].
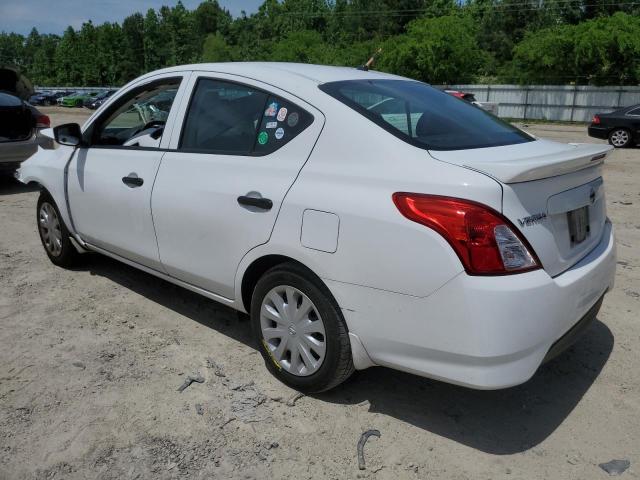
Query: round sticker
[292,121]
[279,133]
[282,114]
[263,137]
[271,110]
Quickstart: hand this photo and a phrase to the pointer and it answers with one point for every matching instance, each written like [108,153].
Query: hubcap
[619,138]
[293,330]
[49,226]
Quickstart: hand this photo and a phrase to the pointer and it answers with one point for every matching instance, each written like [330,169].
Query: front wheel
[300,330]
[620,138]
[54,234]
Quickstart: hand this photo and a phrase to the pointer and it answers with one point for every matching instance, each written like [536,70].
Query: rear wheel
[300,330]
[620,138]
[54,234]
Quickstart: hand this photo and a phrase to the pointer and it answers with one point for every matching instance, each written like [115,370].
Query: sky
[53,16]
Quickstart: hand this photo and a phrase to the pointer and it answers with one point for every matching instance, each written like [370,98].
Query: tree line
[438,41]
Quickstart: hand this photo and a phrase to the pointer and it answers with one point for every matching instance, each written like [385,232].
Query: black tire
[65,255]
[78,103]
[337,365]
[617,135]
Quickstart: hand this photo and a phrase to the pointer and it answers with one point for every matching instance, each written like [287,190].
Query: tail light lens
[595,120]
[43,121]
[485,241]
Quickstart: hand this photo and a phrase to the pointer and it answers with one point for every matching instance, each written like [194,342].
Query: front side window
[230,118]
[138,120]
[424,116]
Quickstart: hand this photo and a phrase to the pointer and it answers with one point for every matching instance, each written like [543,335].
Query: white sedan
[360,218]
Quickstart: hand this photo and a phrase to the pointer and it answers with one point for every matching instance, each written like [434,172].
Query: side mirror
[68,134]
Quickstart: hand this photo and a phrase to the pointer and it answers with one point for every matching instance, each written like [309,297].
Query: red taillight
[595,120]
[42,121]
[485,241]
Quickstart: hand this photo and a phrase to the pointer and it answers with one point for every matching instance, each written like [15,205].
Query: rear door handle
[258,202]
[132,180]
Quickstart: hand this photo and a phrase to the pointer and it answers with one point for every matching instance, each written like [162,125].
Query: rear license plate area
[578,224]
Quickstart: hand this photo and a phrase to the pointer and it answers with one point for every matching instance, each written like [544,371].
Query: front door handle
[132,180]
[258,202]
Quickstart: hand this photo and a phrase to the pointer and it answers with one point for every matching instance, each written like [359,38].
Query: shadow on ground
[10,186]
[499,422]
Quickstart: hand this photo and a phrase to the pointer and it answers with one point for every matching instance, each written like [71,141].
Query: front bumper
[481,332]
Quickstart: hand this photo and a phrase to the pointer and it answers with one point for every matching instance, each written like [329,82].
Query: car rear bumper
[481,332]
[13,153]
[598,132]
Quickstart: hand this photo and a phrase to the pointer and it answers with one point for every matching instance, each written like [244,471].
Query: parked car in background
[621,128]
[95,102]
[47,98]
[360,218]
[78,99]
[471,98]
[20,122]
[40,98]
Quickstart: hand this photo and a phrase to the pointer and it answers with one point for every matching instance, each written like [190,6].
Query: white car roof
[298,78]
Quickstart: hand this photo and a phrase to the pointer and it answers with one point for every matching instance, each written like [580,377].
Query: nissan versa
[360,218]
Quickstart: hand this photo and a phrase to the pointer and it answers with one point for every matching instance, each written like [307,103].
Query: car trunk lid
[552,192]
[12,81]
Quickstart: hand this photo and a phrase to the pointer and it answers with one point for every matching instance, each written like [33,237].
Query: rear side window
[423,116]
[634,112]
[281,122]
[235,119]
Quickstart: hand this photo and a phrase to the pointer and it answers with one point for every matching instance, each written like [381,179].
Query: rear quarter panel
[353,171]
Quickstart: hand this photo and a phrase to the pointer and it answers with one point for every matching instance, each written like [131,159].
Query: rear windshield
[423,116]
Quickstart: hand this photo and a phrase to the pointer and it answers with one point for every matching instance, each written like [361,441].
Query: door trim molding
[206,293]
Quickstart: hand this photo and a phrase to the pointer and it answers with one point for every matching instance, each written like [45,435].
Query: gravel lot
[91,359]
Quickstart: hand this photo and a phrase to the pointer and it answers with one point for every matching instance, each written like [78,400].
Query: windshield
[423,116]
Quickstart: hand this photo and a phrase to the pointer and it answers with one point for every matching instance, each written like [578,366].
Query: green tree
[305,46]
[602,51]
[216,49]
[436,50]
[132,47]
[68,71]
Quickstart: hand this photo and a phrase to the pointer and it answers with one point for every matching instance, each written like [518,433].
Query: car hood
[12,81]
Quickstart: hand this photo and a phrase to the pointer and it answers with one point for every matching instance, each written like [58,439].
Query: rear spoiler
[583,155]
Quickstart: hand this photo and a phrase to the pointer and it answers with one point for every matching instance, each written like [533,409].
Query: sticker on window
[263,137]
[282,114]
[279,133]
[292,121]
[271,125]
[271,110]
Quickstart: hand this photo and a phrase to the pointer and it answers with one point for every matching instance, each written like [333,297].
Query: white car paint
[407,300]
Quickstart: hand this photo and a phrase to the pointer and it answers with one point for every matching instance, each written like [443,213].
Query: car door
[218,191]
[110,178]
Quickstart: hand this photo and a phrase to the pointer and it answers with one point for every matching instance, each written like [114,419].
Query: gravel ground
[91,360]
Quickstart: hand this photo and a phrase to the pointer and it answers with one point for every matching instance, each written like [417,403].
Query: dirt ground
[91,360]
